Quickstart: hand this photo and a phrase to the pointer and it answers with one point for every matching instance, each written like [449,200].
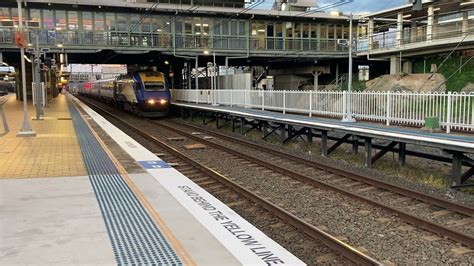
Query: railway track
[391,198]
[222,186]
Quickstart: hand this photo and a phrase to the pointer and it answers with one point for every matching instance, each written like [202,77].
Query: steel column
[456,174]
[324,143]
[368,152]
[355,145]
[402,153]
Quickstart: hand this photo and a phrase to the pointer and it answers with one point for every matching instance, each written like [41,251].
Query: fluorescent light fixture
[261,30]
[407,16]
[205,25]
[60,45]
[27,59]
[254,32]
[158,30]
[467,3]
[204,33]
[167,22]
[198,24]
[167,63]
[30,44]
[206,52]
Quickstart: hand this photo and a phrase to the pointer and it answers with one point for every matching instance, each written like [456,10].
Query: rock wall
[414,82]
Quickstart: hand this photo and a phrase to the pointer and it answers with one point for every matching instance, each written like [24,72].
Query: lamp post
[25,130]
[348,115]
[214,77]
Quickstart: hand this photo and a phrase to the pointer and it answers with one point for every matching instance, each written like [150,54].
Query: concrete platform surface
[51,221]
[53,152]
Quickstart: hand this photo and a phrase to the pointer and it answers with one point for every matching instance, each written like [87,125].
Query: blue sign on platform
[154,164]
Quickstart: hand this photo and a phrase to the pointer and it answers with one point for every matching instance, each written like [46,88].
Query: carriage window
[154,86]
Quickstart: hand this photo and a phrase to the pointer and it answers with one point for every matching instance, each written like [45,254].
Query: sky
[356,7]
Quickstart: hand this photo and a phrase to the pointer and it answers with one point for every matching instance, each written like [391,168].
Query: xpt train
[144,93]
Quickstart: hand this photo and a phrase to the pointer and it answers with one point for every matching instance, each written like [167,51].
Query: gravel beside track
[363,226]
[407,204]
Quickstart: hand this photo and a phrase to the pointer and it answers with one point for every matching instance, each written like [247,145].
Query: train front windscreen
[154,86]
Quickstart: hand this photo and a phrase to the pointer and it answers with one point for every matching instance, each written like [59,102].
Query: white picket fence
[454,110]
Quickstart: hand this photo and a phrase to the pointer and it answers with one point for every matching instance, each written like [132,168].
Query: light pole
[348,115]
[37,78]
[214,77]
[25,130]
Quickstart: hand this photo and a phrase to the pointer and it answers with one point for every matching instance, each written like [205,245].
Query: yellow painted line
[179,249]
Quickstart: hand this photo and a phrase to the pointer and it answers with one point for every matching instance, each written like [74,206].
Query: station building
[181,32]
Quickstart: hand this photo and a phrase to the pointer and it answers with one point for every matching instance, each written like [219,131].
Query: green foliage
[459,80]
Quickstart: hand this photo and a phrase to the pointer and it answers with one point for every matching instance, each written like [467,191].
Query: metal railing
[416,35]
[454,110]
[96,39]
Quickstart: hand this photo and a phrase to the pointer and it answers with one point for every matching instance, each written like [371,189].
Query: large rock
[414,82]
[469,88]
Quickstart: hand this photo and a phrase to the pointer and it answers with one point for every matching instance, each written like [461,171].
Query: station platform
[290,126]
[108,203]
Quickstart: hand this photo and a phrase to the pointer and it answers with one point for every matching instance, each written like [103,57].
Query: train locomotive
[143,93]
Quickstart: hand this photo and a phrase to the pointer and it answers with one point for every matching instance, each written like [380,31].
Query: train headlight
[163,101]
[151,101]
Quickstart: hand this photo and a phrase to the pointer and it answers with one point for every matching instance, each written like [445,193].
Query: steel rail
[463,209]
[407,217]
[344,249]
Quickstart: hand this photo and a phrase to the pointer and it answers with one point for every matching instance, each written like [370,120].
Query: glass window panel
[324,31]
[197,26]
[4,13]
[48,22]
[87,21]
[72,22]
[270,31]
[110,22]
[289,29]
[188,26]
[338,31]
[99,23]
[314,31]
[60,20]
[134,26]
[225,27]
[206,25]
[35,15]
[217,27]
[165,24]
[233,27]
[305,30]
[297,30]
[254,28]
[14,15]
[279,29]
[122,22]
[242,28]
[156,24]
[331,34]
[146,24]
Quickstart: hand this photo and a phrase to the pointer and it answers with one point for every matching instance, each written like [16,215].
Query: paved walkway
[53,152]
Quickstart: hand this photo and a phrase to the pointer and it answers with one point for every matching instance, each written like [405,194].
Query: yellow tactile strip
[53,152]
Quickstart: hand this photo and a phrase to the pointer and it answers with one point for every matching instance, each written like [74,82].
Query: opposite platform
[463,142]
[53,152]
